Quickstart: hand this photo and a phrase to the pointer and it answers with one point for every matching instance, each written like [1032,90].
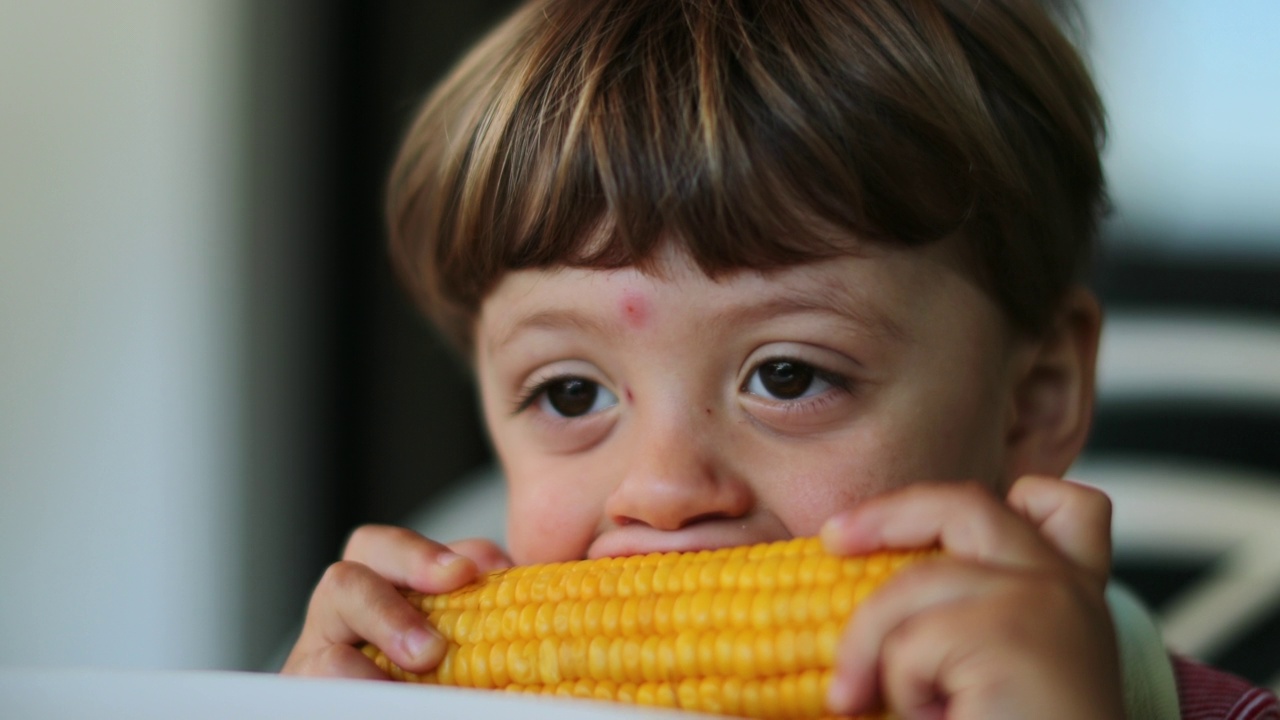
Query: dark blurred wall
[358,413]
[404,418]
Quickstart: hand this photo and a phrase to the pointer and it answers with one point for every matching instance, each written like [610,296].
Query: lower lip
[642,540]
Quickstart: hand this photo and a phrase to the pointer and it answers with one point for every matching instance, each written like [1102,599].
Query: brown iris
[572,397]
[785,379]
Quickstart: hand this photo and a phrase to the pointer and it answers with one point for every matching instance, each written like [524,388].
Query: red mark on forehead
[635,309]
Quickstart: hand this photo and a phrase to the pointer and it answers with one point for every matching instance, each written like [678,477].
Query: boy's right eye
[570,397]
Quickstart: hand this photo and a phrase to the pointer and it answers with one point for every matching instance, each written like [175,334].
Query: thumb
[1074,518]
[483,552]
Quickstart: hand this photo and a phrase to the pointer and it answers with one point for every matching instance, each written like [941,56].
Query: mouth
[708,535]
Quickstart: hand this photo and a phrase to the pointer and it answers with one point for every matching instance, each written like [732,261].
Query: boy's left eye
[571,397]
[787,380]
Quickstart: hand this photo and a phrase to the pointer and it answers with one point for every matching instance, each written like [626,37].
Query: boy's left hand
[1010,622]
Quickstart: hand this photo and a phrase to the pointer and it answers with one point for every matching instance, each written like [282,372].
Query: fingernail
[839,694]
[445,559]
[421,643]
[833,530]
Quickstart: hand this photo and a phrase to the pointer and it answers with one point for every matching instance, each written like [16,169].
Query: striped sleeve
[1205,693]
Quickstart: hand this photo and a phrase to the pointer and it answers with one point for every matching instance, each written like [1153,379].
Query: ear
[1051,406]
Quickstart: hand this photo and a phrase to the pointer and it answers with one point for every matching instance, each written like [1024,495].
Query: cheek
[548,522]
[962,436]
[808,502]
[551,515]
[821,482]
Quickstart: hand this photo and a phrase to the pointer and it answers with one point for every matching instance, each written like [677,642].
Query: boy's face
[639,412]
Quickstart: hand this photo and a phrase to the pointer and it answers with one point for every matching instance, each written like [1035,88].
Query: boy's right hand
[358,601]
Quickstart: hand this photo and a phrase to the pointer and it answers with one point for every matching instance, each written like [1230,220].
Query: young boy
[736,271]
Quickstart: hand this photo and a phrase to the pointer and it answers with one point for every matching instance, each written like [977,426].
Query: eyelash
[834,379]
[809,405]
[530,394]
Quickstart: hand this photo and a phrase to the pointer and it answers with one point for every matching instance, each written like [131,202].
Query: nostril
[624,521]
[704,517]
[672,501]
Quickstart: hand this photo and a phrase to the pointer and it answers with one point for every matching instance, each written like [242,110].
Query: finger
[916,589]
[410,560]
[1074,518]
[335,661]
[353,603]
[486,554]
[1016,643]
[964,519]
[913,662]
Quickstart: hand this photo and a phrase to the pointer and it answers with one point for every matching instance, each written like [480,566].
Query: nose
[677,475]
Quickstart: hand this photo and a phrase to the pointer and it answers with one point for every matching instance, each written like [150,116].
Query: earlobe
[1051,406]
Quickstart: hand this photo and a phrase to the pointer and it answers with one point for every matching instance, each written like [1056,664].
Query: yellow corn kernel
[748,631]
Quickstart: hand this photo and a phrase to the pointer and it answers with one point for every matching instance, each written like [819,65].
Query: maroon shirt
[1205,693]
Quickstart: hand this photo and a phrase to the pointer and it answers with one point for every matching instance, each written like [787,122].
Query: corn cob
[748,631]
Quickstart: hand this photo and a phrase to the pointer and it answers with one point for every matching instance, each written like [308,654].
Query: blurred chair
[1187,443]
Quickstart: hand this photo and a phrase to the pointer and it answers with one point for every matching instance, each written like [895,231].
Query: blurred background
[208,375]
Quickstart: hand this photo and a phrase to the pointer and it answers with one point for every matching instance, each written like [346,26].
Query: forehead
[880,292]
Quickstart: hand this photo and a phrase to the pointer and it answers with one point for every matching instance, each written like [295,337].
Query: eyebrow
[551,319]
[842,302]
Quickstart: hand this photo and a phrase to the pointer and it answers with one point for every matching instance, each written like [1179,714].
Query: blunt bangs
[753,135]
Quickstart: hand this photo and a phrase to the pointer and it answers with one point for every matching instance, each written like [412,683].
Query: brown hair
[756,133]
